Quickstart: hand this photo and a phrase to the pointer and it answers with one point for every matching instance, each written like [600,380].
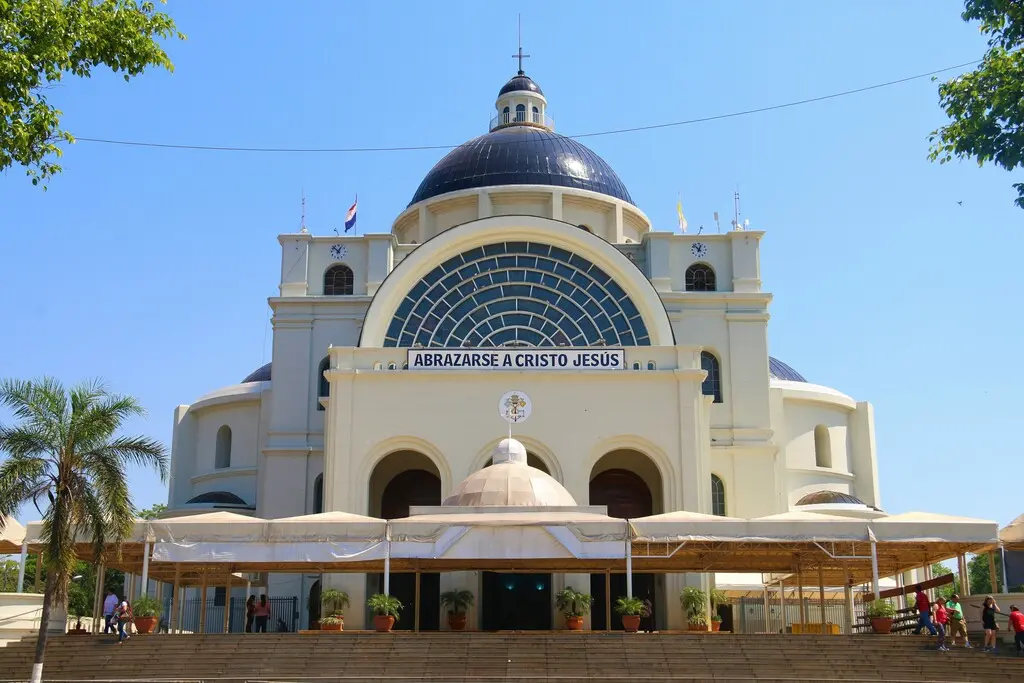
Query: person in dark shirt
[924,611]
[989,608]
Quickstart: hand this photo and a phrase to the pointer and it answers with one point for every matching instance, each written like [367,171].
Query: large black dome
[521,155]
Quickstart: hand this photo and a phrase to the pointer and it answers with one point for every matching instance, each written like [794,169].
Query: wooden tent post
[821,596]
[800,597]
[202,603]
[416,622]
[608,600]
[993,584]
[173,620]
[227,605]
[101,582]
[782,602]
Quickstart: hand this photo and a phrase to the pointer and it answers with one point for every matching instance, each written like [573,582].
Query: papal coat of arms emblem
[514,406]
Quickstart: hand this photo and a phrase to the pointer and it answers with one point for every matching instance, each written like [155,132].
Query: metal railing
[522,118]
[282,610]
[749,617]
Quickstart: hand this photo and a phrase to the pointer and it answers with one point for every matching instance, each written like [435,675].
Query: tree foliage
[153,511]
[986,106]
[41,41]
[64,455]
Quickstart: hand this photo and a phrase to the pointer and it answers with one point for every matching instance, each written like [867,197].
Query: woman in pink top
[261,615]
[941,619]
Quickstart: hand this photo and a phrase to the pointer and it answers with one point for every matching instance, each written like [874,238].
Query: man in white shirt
[109,605]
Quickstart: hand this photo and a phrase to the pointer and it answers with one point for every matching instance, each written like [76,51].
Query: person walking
[250,612]
[924,611]
[1017,624]
[109,607]
[261,615]
[124,618]
[957,620]
[941,623]
[989,608]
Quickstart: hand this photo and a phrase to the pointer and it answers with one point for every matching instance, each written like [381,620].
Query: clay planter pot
[716,625]
[574,623]
[332,627]
[696,627]
[77,631]
[146,624]
[457,622]
[382,623]
[881,625]
[631,622]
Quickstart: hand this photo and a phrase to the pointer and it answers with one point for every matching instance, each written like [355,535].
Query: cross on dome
[520,54]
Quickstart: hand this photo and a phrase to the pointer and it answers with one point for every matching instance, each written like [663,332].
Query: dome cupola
[509,482]
[521,102]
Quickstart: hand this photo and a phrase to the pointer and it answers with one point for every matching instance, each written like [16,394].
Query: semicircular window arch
[517,294]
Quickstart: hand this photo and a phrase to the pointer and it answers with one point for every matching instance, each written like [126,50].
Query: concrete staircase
[560,657]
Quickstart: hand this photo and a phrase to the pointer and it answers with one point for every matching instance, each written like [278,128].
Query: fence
[281,610]
[749,617]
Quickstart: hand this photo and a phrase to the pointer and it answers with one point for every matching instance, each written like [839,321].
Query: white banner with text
[517,359]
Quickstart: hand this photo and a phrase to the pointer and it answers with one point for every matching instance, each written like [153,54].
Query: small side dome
[779,370]
[519,83]
[216,498]
[829,498]
[509,482]
[261,374]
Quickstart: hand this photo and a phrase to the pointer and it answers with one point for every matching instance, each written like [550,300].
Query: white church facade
[521,263]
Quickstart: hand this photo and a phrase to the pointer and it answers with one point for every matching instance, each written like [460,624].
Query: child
[1017,622]
[941,619]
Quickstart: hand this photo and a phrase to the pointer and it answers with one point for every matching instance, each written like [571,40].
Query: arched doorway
[516,602]
[313,603]
[399,481]
[629,483]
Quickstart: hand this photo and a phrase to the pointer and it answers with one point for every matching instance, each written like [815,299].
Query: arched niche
[400,480]
[629,484]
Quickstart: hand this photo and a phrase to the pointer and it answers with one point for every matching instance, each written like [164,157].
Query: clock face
[699,249]
[338,251]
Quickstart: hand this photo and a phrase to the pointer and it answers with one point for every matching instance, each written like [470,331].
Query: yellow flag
[682,218]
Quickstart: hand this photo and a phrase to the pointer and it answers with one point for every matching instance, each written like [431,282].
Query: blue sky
[151,268]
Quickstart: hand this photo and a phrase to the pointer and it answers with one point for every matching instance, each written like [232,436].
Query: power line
[617,131]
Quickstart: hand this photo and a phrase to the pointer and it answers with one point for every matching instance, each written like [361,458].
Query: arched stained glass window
[517,294]
[338,280]
[712,385]
[700,278]
[323,385]
[717,496]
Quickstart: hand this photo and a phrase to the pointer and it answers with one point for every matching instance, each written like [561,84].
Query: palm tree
[64,453]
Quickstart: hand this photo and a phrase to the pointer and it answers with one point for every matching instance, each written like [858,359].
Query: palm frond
[133,450]
[22,479]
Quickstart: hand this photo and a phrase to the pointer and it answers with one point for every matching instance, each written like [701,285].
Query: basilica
[521,264]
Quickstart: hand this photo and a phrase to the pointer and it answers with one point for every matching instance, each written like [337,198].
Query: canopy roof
[1012,535]
[12,536]
[581,539]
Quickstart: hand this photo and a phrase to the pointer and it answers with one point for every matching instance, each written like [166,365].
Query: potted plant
[881,613]
[632,611]
[716,598]
[694,602]
[332,609]
[79,613]
[146,611]
[574,605]
[385,611]
[457,602]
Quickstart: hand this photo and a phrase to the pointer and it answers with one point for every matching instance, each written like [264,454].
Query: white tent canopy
[227,537]
[920,527]
[508,534]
